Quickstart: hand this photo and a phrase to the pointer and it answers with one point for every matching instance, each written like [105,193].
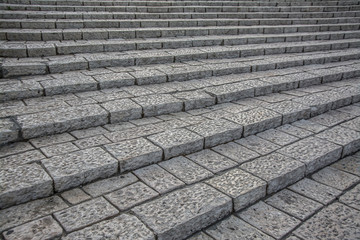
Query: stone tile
[316,191]
[352,124]
[154,105]
[135,153]
[230,92]
[74,169]
[278,170]
[349,164]
[75,196]
[15,148]
[92,141]
[195,99]
[336,221]
[269,220]
[186,170]
[124,226]
[310,126]
[241,186]
[294,204]
[200,236]
[217,131]
[89,132]
[107,185]
[258,145]
[211,160]
[352,197]
[21,158]
[177,142]
[335,178]
[235,152]
[200,206]
[17,215]
[158,178]
[9,131]
[352,109]
[277,137]
[131,195]
[295,131]
[331,118]
[111,80]
[85,214]
[43,228]
[59,149]
[292,237]
[348,138]
[314,152]
[235,228]
[290,111]
[122,110]
[23,183]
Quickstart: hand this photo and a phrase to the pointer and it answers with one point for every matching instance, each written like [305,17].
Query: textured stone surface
[73,169]
[335,178]
[200,206]
[124,226]
[159,179]
[154,105]
[21,158]
[295,131]
[122,110]
[59,149]
[236,152]
[269,220]
[331,118]
[241,186]
[75,196]
[84,214]
[200,236]
[278,170]
[352,124]
[349,164]
[310,126]
[43,228]
[51,140]
[352,197]
[135,153]
[258,145]
[277,137]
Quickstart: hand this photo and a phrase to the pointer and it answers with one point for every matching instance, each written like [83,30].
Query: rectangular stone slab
[185,211]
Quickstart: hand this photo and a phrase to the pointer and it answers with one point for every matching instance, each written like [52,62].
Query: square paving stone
[335,178]
[236,152]
[43,228]
[241,186]
[21,159]
[92,142]
[73,169]
[135,153]
[257,144]
[178,142]
[14,148]
[124,226]
[230,92]
[310,126]
[217,131]
[154,105]
[336,221]
[186,170]
[269,220]
[75,196]
[131,195]
[51,140]
[349,164]
[277,137]
[84,214]
[235,228]
[111,80]
[122,110]
[314,152]
[352,124]
[348,138]
[256,120]
[291,111]
[157,178]
[185,211]
[212,161]
[331,118]
[295,131]
[195,99]
[278,170]
[352,197]
[200,236]
[23,183]
[59,149]
[294,204]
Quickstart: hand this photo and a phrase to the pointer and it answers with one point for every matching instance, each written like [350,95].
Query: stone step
[178,197]
[5,14]
[18,49]
[131,33]
[14,67]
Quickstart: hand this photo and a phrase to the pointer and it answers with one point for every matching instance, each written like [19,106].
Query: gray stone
[349,164]
[177,142]
[310,126]
[294,204]
[111,80]
[154,105]
[158,178]
[352,197]
[269,220]
[211,160]
[295,131]
[51,140]
[335,178]
[200,206]
[241,186]
[277,137]
[15,148]
[230,92]
[291,111]
[314,152]
[149,76]
[33,156]
[43,228]
[23,183]
[122,110]
[236,152]
[75,196]
[195,99]
[352,124]
[135,153]
[186,170]
[131,195]
[124,226]
[85,213]
[278,170]
[331,118]
[258,145]
[89,132]
[92,142]
[59,149]
[9,132]
[101,187]
[235,228]
[74,169]
[200,236]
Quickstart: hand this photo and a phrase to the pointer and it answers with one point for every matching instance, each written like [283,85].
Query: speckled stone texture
[236,152]
[200,206]
[349,164]
[335,178]
[352,197]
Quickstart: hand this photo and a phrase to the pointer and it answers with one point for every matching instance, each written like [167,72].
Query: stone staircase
[156,119]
